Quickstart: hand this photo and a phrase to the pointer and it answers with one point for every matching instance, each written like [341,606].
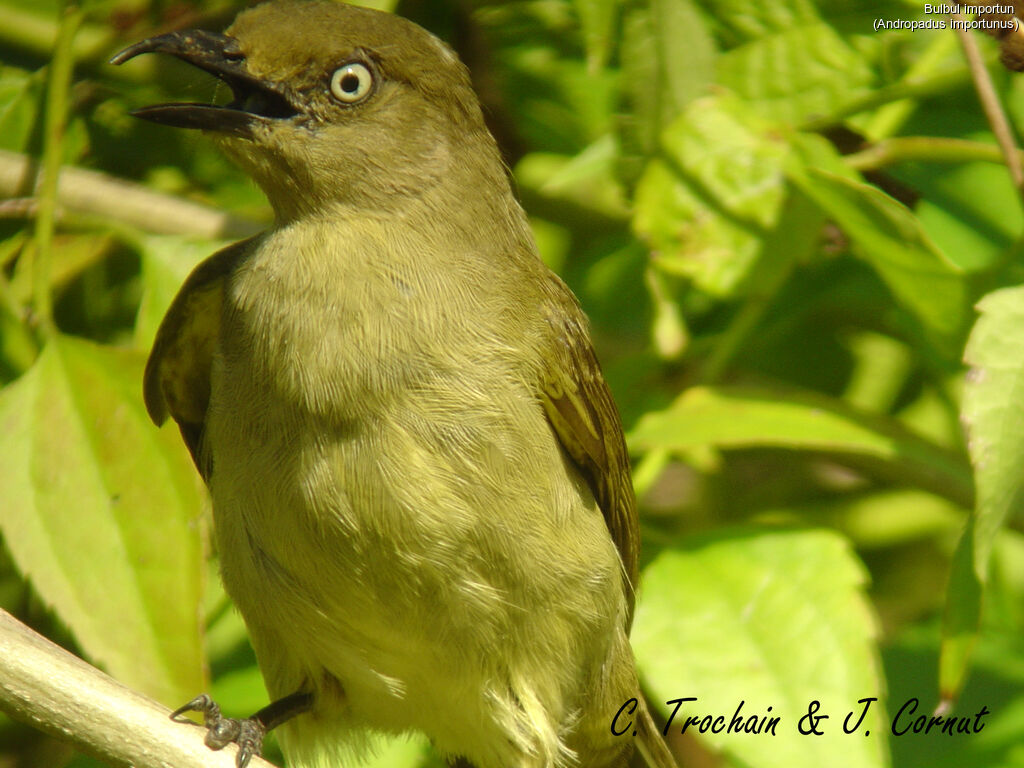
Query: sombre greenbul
[421,492]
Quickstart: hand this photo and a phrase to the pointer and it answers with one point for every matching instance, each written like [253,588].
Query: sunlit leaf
[797,73]
[668,56]
[993,411]
[763,625]
[706,204]
[166,261]
[733,417]
[99,510]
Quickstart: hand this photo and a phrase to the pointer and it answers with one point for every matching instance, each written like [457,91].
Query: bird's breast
[339,325]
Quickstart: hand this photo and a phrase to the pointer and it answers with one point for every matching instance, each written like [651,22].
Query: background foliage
[801,257]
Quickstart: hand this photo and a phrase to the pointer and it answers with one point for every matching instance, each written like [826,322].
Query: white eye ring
[351,82]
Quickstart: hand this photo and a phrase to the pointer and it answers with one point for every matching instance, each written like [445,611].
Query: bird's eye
[351,83]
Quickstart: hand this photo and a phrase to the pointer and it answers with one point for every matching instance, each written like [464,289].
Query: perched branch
[89,192]
[56,692]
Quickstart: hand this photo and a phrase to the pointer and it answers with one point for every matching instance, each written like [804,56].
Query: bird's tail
[649,742]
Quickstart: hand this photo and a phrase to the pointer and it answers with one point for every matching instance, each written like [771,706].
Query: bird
[421,491]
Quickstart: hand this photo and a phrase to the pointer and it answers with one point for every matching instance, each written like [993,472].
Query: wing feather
[177,378]
[581,410]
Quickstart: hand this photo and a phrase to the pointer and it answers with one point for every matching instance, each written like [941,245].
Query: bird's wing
[581,410]
[177,378]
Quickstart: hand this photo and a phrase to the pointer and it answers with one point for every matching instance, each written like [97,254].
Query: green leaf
[558,104]
[669,333]
[882,519]
[993,411]
[241,690]
[17,346]
[996,685]
[685,52]
[73,254]
[21,96]
[774,620]
[100,512]
[597,18]
[797,73]
[736,417]
[587,180]
[793,240]
[705,206]
[969,209]
[889,237]
[668,59]
[166,261]
[744,20]
[408,751]
[962,616]
[380,5]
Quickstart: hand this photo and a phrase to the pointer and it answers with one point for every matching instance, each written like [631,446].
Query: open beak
[254,101]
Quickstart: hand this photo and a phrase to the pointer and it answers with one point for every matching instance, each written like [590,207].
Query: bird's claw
[247,733]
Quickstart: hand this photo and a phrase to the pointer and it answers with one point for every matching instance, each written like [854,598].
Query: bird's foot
[247,733]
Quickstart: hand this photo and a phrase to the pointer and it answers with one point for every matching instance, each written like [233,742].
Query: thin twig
[990,104]
[19,208]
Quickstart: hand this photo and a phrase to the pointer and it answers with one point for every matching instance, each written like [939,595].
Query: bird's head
[332,104]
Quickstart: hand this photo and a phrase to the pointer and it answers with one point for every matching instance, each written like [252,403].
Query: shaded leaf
[890,238]
[72,255]
[588,179]
[17,346]
[971,210]
[21,96]
[882,519]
